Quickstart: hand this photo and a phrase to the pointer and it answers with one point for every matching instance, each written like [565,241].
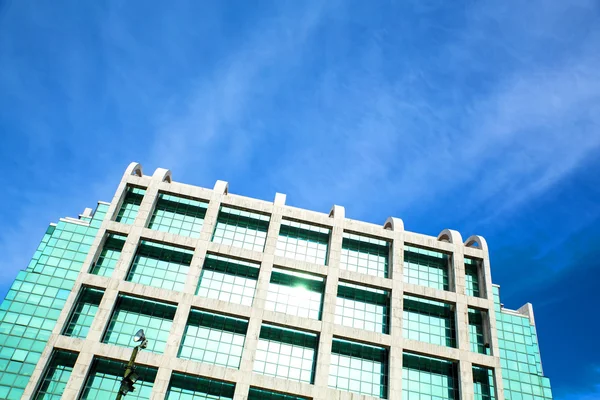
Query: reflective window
[111,251]
[429,321]
[426,267]
[359,368]
[104,380]
[178,215]
[429,377]
[240,228]
[303,242]
[286,353]
[56,375]
[83,313]
[213,338]
[476,334]
[228,279]
[365,255]
[362,307]
[131,314]
[295,293]
[263,394]
[160,265]
[483,383]
[189,387]
[131,205]
[472,277]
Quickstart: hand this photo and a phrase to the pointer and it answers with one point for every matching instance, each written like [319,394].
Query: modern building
[247,299]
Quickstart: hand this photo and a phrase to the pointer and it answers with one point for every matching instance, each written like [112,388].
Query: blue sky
[477,116]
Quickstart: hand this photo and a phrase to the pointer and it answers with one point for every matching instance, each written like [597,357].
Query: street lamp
[131,376]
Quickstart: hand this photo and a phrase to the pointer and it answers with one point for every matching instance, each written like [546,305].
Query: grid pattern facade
[365,255]
[283,355]
[426,267]
[160,265]
[429,321]
[83,314]
[295,293]
[304,242]
[286,353]
[214,339]
[56,375]
[241,228]
[109,256]
[131,205]
[178,215]
[228,279]
[362,307]
[359,368]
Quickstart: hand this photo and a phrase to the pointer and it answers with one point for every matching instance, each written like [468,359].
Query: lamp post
[130,376]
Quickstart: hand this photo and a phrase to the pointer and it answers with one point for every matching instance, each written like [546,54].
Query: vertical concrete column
[465,376]
[329,301]
[78,375]
[256,314]
[462,323]
[396,310]
[159,389]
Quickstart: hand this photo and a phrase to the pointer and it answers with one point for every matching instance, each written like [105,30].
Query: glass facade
[160,265]
[295,293]
[262,394]
[83,314]
[365,255]
[178,215]
[426,267]
[131,314]
[429,321]
[472,284]
[107,260]
[476,333]
[286,353]
[430,378]
[483,384]
[362,307]
[190,387]
[131,205]
[213,338]
[240,228]
[56,375]
[303,242]
[228,279]
[104,380]
[36,298]
[359,368]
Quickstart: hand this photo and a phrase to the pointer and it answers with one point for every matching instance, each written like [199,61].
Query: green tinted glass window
[429,321]
[429,377]
[483,384]
[160,265]
[359,368]
[131,205]
[286,353]
[111,251]
[365,255]
[295,293]
[228,279]
[303,242]
[476,334]
[426,267]
[56,375]
[189,387]
[362,307]
[213,338]
[104,380]
[263,394]
[178,215]
[472,277]
[131,314]
[83,313]
[240,228]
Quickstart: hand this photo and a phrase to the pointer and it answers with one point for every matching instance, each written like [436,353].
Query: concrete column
[396,310]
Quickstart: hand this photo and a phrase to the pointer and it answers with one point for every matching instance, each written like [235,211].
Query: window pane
[429,321]
[228,279]
[303,242]
[104,380]
[472,277]
[56,375]
[295,293]
[426,267]
[107,260]
[131,205]
[365,255]
[428,377]
[362,307]
[263,394]
[483,384]
[178,215]
[188,387]
[83,313]
[241,229]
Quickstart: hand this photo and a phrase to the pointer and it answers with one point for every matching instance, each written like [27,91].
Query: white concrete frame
[449,241]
